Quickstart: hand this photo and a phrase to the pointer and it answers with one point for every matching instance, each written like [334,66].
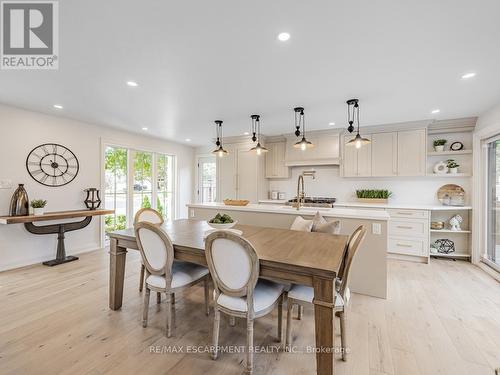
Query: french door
[493,202]
[207,179]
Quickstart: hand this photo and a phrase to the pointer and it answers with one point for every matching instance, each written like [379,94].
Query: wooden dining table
[287,256]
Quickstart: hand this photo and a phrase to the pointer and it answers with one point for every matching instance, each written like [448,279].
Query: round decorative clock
[52,164]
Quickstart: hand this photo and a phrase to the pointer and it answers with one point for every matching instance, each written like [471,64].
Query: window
[115,195]
[493,203]
[207,179]
[136,179]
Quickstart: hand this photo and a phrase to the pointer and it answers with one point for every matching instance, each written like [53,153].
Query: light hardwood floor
[441,318]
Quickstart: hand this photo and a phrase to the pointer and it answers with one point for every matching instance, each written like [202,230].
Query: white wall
[328,183]
[21,131]
[490,118]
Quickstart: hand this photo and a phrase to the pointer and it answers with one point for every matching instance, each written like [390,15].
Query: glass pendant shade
[219,150]
[358,141]
[258,149]
[303,144]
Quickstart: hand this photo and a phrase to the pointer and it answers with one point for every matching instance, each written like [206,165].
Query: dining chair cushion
[266,293]
[231,262]
[302,224]
[331,227]
[183,273]
[306,294]
[154,248]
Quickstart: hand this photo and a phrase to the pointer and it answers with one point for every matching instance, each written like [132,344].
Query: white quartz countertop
[402,206]
[348,213]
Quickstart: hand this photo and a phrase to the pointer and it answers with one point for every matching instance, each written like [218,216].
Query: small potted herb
[452,166]
[439,145]
[373,196]
[38,206]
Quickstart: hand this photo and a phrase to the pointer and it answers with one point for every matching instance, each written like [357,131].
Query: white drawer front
[409,214]
[412,228]
[407,247]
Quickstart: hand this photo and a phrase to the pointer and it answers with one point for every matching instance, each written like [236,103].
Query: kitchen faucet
[300,194]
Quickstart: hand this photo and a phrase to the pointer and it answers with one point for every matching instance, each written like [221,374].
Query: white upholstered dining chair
[151,216]
[303,295]
[162,274]
[238,292]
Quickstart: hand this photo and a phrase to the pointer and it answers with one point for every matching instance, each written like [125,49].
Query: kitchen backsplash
[328,183]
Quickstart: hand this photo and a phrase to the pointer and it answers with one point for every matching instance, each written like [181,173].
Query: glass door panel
[165,186]
[207,179]
[493,206]
[115,195]
[142,184]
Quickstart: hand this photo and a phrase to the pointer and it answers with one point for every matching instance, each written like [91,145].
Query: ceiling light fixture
[352,117]
[283,36]
[468,75]
[331,123]
[219,150]
[58,106]
[246,133]
[188,139]
[145,129]
[434,111]
[132,84]
[258,149]
[303,144]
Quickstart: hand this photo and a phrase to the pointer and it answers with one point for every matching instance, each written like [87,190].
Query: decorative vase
[439,148]
[19,204]
[453,170]
[38,211]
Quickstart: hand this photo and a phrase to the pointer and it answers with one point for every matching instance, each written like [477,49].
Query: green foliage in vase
[451,163]
[439,142]
[373,194]
[38,203]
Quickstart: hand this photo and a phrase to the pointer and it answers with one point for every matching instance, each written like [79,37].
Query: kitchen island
[369,274]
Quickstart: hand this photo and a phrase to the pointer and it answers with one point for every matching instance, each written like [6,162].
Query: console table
[59,228]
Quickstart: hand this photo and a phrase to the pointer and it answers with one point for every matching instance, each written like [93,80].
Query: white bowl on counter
[222,226]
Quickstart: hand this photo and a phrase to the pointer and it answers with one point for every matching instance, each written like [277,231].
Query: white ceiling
[198,61]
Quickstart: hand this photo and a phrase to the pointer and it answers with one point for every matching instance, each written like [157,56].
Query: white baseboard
[37,260]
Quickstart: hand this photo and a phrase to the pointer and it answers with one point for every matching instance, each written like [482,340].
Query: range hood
[324,152]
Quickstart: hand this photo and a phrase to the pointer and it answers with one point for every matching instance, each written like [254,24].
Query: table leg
[324,315]
[117,257]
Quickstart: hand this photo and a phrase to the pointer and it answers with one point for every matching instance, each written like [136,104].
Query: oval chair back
[233,264]
[353,245]
[156,249]
[149,215]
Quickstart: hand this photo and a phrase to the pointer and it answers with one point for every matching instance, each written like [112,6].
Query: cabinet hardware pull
[403,245]
[403,227]
[405,213]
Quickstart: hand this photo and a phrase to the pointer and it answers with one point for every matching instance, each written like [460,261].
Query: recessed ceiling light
[283,36]
[331,123]
[145,129]
[246,133]
[435,111]
[468,75]
[132,84]
[188,139]
[58,106]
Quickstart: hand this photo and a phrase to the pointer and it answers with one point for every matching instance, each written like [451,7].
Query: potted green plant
[439,144]
[38,206]
[452,166]
[373,195]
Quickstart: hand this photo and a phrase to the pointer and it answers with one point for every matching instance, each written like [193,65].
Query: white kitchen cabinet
[275,161]
[384,154]
[241,174]
[412,152]
[357,162]
[324,152]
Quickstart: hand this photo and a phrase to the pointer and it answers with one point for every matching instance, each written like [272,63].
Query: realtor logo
[29,37]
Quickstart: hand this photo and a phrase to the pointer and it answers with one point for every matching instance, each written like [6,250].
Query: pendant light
[352,117]
[258,149]
[303,144]
[219,150]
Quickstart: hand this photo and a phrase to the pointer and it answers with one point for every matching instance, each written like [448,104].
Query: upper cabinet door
[411,152]
[384,154]
[247,175]
[365,158]
[275,161]
[350,160]
[226,171]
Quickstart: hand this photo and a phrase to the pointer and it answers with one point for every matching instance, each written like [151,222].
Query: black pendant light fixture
[258,148]
[219,150]
[353,117]
[300,123]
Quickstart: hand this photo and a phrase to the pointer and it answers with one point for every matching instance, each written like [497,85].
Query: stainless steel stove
[314,202]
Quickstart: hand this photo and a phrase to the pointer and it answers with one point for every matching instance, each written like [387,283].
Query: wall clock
[52,164]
